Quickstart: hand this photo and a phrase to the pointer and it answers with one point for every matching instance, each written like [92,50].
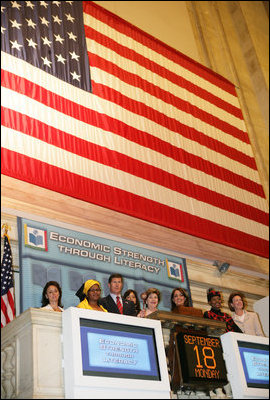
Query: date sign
[201,360]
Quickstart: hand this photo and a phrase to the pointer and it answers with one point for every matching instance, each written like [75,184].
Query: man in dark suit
[114,302]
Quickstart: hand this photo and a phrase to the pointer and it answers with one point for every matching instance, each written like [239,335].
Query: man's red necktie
[119,304]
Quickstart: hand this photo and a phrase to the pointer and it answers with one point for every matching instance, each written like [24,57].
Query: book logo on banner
[175,271]
[35,238]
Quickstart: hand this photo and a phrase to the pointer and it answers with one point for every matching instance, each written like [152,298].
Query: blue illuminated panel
[255,361]
[118,350]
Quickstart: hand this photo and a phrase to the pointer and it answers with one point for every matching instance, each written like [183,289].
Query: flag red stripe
[170,123]
[92,117]
[161,71]
[11,305]
[165,96]
[48,134]
[86,189]
[161,48]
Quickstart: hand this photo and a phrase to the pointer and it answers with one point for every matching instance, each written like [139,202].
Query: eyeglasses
[94,290]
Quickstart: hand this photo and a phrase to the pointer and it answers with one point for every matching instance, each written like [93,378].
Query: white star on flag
[16,45]
[15,5]
[57,19]
[72,36]
[46,61]
[30,4]
[15,24]
[46,41]
[44,21]
[31,23]
[70,18]
[31,43]
[44,4]
[59,39]
[74,56]
[75,76]
[60,58]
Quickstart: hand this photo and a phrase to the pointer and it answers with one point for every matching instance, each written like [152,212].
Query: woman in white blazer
[247,321]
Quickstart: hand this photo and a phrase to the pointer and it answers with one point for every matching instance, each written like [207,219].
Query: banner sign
[49,252]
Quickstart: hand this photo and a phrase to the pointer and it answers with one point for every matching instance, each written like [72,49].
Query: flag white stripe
[9,308]
[69,92]
[152,55]
[163,83]
[37,149]
[80,129]
[3,319]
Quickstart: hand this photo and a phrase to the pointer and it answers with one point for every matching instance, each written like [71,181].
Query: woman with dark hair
[151,298]
[179,297]
[214,300]
[247,321]
[132,295]
[51,297]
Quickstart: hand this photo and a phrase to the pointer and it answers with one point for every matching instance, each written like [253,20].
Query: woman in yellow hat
[92,291]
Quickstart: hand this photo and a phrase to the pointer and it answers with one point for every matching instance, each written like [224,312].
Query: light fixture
[222,267]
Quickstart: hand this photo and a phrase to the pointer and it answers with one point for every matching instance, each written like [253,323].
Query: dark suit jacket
[110,305]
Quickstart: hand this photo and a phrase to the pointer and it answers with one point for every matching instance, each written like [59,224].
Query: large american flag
[156,135]
[7,285]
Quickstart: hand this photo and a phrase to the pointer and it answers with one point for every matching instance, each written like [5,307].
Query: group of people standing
[241,321]
[129,304]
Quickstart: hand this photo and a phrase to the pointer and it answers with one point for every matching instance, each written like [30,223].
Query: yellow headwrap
[88,284]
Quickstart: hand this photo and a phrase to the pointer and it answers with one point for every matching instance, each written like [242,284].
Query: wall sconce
[222,267]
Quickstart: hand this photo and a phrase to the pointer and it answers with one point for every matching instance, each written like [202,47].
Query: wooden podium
[189,320]
[196,312]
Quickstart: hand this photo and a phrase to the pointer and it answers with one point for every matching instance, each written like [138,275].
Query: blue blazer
[110,305]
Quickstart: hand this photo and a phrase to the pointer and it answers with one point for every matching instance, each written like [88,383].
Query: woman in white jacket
[247,321]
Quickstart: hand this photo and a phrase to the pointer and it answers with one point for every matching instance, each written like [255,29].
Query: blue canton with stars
[50,36]
[6,271]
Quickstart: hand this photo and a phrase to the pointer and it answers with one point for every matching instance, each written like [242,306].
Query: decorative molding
[33,367]
[8,370]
